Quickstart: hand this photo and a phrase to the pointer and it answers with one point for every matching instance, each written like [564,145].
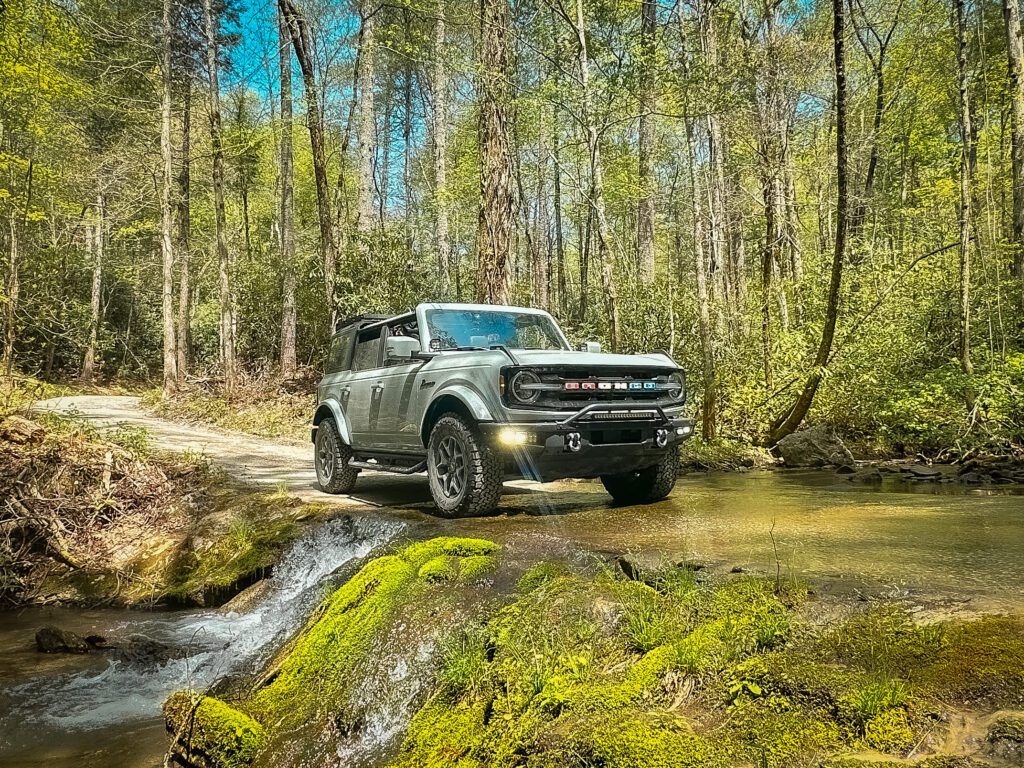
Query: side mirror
[590,346]
[401,348]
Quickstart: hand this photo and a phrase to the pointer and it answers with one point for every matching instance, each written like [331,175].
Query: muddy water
[933,544]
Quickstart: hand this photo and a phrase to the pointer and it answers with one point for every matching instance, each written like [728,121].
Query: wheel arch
[466,403]
[331,409]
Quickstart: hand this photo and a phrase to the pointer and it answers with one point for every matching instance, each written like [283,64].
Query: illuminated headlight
[683,430]
[523,386]
[677,385]
[512,437]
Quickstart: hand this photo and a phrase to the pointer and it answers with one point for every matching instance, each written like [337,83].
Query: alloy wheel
[452,468]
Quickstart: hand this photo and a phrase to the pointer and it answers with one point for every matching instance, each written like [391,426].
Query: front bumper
[598,440]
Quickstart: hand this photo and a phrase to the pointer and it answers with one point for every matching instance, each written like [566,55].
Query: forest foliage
[671,166]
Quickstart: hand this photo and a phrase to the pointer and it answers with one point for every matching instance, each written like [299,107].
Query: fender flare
[331,409]
[467,397]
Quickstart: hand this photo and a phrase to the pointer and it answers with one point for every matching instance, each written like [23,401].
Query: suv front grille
[616,386]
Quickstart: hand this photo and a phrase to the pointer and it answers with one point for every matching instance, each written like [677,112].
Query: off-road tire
[646,485]
[330,459]
[479,489]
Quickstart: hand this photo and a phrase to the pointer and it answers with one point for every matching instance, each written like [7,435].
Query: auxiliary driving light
[513,437]
[682,430]
[661,438]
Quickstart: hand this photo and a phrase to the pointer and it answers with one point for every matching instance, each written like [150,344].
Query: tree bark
[184,234]
[439,132]
[791,419]
[96,234]
[597,202]
[367,130]
[302,42]
[166,217]
[287,214]
[964,218]
[1015,48]
[494,231]
[646,144]
[227,324]
[13,289]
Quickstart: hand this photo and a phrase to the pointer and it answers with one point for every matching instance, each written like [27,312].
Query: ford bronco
[475,394]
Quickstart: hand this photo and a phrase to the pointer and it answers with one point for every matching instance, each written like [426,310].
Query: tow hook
[661,438]
[573,442]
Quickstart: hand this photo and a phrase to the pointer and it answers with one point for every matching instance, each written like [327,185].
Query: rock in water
[814,447]
[52,639]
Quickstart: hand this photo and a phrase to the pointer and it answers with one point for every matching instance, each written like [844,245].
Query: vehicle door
[401,408]
[365,388]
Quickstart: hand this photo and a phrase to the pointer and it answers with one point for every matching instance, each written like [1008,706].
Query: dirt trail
[252,459]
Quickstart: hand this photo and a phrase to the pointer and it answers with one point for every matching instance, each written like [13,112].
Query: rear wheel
[645,485]
[464,475]
[330,457]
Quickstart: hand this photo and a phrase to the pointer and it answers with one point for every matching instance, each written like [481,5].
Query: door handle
[378,386]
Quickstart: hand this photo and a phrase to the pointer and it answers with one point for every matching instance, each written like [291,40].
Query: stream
[100,710]
[944,546]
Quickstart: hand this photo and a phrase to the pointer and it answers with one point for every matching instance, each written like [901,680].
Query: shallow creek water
[935,543]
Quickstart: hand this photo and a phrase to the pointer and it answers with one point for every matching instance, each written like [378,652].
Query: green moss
[473,567]
[440,568]
[317,672]
[541,573]
[773,733]
[980,661]
[444,735]
[1009,729]
[224,736]
[633,741]
[889,731]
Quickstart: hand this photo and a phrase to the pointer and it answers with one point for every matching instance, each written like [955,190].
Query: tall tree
[1015,50]
[94,233]
[367,128]
[287,215]
[211,23]
[597,201]
[439,134]
[302,42]
[494,231]
[647,141]
[792,418]
[964,214]
[166,216]
[184,232]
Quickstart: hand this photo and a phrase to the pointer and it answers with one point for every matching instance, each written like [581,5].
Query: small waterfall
[218,643]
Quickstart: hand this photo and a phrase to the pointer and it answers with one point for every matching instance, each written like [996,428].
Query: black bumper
[595,441]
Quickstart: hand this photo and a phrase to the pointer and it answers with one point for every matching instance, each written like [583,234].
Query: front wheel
[464,475]
[645,485]
[330,457]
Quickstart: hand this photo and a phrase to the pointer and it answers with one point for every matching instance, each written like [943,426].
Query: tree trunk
[439,132]
[287,215]
[494,231]
[97,233]
[302,42]
[604,252]
[184,234]
[367,130]
[964,218]
[647,143]
[13,287]
[561,304]
[709,407]
[791,419]
[227,324]
[719,258]
[1015,46]
[166,218]
[541,255]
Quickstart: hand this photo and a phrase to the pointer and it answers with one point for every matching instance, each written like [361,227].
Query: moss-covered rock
[208,732]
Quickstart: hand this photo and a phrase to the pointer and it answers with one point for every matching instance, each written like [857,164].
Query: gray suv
[475,394]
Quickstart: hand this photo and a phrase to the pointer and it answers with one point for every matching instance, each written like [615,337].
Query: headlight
[522,386]
[677,386]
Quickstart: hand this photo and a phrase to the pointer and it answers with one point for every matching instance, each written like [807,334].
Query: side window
[368,347]
[337,359]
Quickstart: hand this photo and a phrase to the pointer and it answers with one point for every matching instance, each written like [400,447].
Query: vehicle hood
[543,357]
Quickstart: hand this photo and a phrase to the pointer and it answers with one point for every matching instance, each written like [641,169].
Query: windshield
[455,328]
